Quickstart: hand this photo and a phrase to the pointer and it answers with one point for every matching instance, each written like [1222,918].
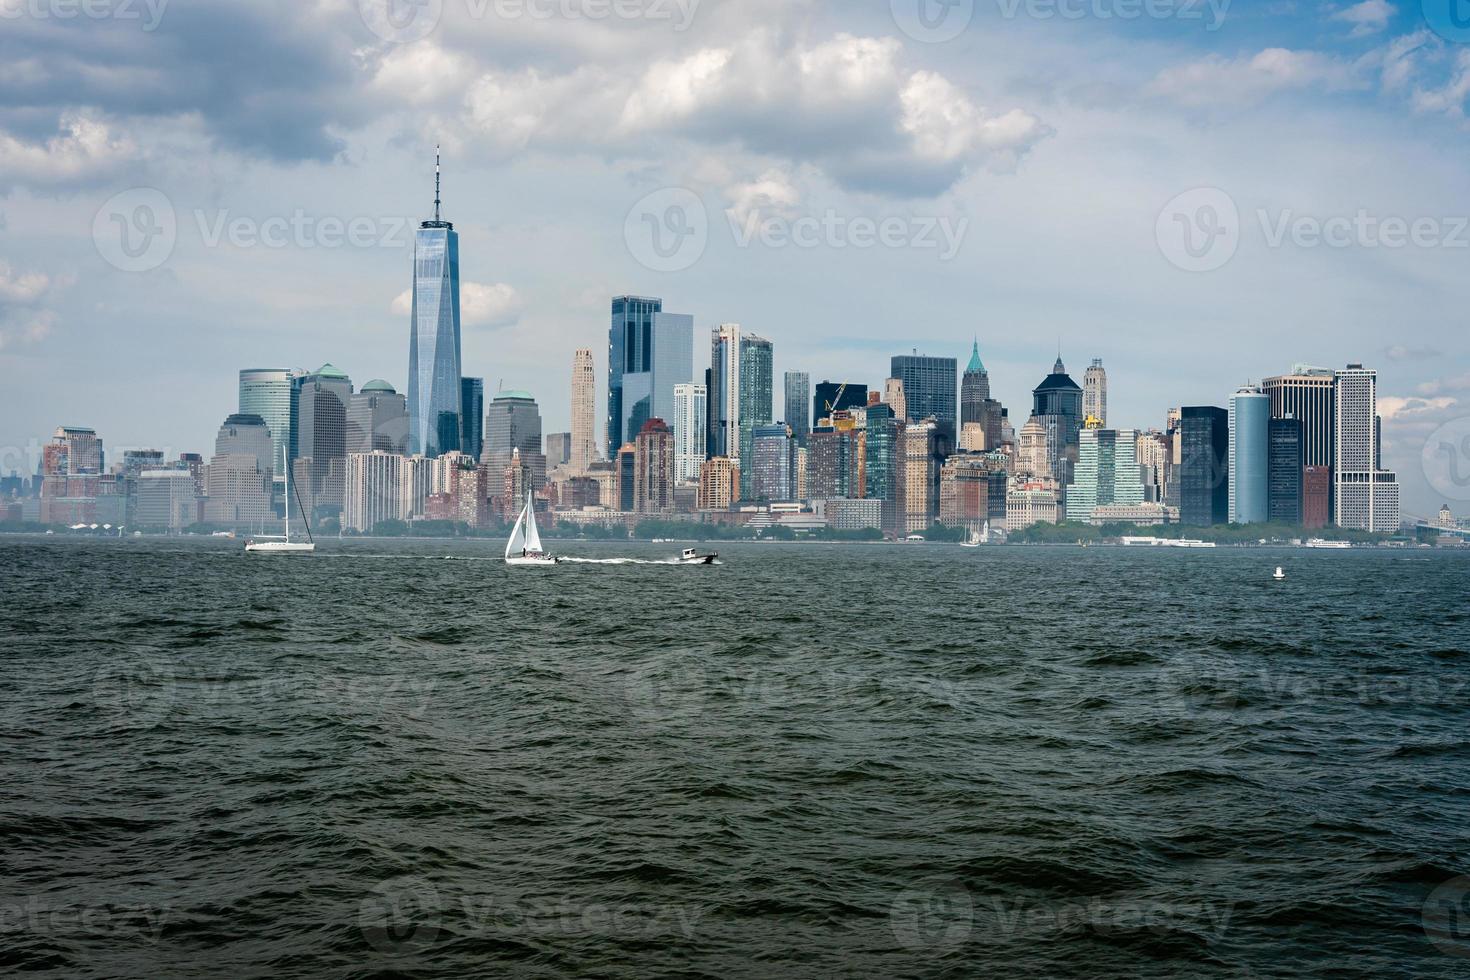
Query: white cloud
[85,149]
[23,319]
[1368,17]
[1435,387]
[420,74]
[1398,409]
[771,194]
[1215,81]
[1450,98]
[21,287]
[480,305]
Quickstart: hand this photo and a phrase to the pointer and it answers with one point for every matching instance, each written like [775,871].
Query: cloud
[1368,17]
[1214,81]
[1435,387]
[771,194]
[1396,409]
[846,106]
[85,150]
[1398,352]
[1448,99]
[23,318]
[480,305]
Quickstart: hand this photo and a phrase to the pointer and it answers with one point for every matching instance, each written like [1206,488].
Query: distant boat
[287,546]
[524,546]
[1335,545]
[1280,575]
[691,557]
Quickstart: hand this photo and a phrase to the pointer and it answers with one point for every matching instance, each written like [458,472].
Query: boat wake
[621,561]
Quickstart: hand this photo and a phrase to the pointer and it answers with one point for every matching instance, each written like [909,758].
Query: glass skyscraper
[1107,472]
[650,352]
[1285,470]
[472,416]
[271,393]
[434,395]
[929,387]
[798,395]
[1204,442]
[1250,423]
[757,396]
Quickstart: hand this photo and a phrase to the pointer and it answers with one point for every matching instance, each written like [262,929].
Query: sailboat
[524,546]
[977,537]
[287,546]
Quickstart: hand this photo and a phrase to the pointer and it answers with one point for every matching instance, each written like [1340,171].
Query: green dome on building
[379,387]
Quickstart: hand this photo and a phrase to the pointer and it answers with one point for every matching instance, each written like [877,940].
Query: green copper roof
[522,395]
[976,365]
[327,371]
[379,385]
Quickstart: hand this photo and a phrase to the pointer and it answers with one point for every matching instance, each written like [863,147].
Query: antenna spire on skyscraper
[436,181]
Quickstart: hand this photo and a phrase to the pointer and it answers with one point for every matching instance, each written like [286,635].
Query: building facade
[653,473]
[584,411]
[377,419]
[1108,473]
[773,464]
[929,386]
[1366,496]
[1203,469]
[691,405]
[1284,471]
[472,416]
[1095,393]
[797,404]
[513,427]
[1250,454]
[434,392]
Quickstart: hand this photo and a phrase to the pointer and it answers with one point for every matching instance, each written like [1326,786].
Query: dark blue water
[808,761]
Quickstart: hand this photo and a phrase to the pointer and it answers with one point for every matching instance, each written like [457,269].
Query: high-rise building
[472,417]
[584,411]
[166,499]
[719,484]
[271,394]
[757,396]
[883,460]
[1366,495]
[374,490]
[653,469]
[929,385]
[724,392]
[1203,469]
[798,400]
[320,433]
[1108,473]
[1095,392]
[558,449]
[238,482]
[773,464]
[1250,456]
[1316,496]
[513,426]
[833,469]
[627,461]
[649,353]
[1057,406]
[982,414]
[972,490]
[1309,395]
[1284,471]
[690,406]
[926,445]
[377,420]
[434,393]
[894,398]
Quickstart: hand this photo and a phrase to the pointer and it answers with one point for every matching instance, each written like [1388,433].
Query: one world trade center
[433,349]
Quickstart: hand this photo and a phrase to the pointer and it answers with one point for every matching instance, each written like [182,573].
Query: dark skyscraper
[929,386]
[1204,466]
[1057,405]
[1284,471]
[832,396]
[472,416]
[974,389]
[629,351]
[798,394]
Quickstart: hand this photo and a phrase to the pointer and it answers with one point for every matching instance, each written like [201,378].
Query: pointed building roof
[976,366]
[1059,367]
[328,371]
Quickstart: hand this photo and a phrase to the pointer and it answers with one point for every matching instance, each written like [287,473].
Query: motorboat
[691,557]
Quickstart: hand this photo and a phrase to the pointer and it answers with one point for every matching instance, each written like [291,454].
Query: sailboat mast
[286,464]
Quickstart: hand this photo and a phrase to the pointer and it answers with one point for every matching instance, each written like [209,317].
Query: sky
[1201,193]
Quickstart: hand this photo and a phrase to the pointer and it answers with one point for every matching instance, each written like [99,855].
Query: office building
[1284,471]
[719,484]
[797,408]
[513,426]
[833,468]
[757,395]
[649,353]
[1203,470]
[1316,496]
[724,392]
[972,490]
[375,490]
[1032,501]
[1309,395]
[832,397]
[584,412]
[1095,393]
[847,514]
[239,481]
[320,433]
[377,420]
[1057,408]
[926,445]
[1250,454]
[690,425]
[895,399]
[435,397]
[558,449]
[271,393]
[1366,496]
[929,386]
[627,470]
[472,417]
[166,500]
[1107,473]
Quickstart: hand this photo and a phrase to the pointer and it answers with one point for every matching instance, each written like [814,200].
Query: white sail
[517,542]
[533,537]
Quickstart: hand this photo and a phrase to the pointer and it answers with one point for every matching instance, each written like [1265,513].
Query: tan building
[921,470]
[584,412]
[1032,457]
[1032,502]
[653,469]
[719,484]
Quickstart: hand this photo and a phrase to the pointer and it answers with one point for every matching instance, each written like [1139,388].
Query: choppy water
[809,761]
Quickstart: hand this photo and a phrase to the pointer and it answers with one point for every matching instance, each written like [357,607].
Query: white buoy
[1280,575]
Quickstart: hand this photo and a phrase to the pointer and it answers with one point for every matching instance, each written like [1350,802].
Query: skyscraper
[894,398]
[513,428]
[929,385]
[1057,406]
[1108,473]
[925,448]
[584,411]
[377,420]
[757,395]
[653,469]
[837,396]
[271,394]
[1095,393]
[1250,454]
[320,434]
[977,408]
[649,352]
[773,463]
[434,394]
[724,392]
[238,483]
[1203,477]
[472,417]
[798,398]
[1285,471]
[1366,495]
[1309,395]
[690,406]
